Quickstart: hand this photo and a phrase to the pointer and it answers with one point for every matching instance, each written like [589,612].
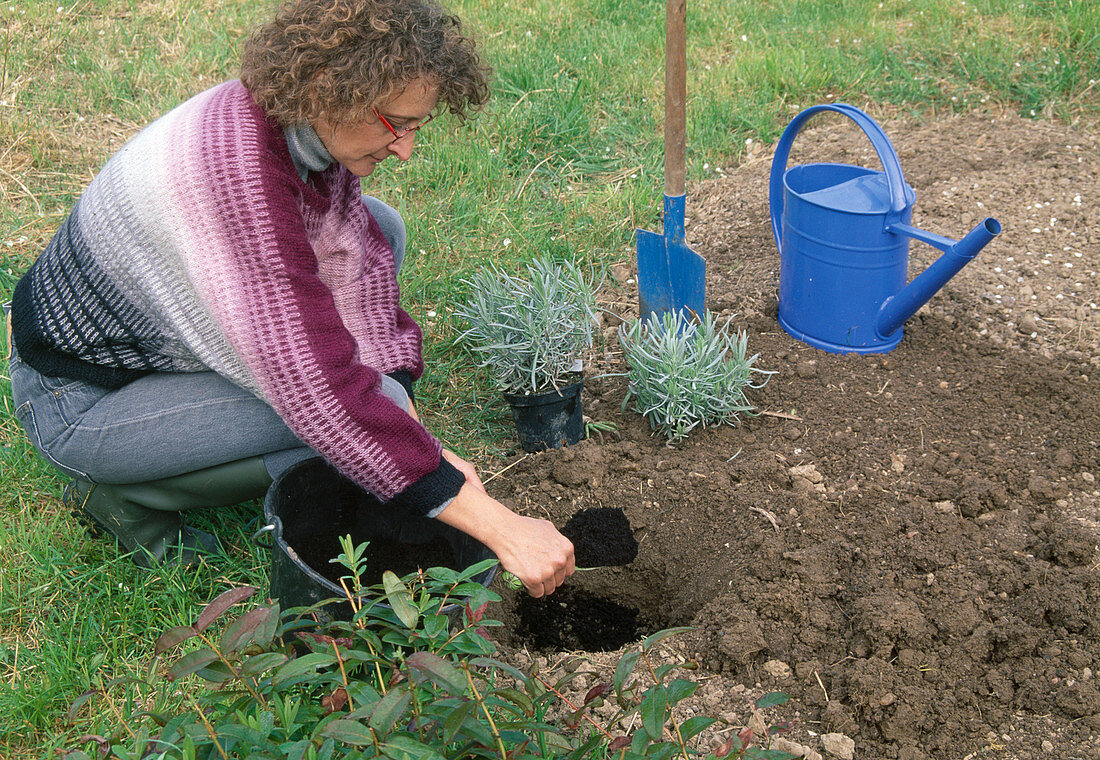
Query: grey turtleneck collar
[306,150]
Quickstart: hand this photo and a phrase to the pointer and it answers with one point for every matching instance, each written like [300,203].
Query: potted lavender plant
[531,331]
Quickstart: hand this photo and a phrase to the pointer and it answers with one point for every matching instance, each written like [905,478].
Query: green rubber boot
[145,517]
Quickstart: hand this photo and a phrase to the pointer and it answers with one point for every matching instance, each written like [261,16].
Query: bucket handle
[267,542]
[881,143]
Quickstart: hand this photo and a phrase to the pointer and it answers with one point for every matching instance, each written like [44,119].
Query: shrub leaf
[242,630]
[173,637]
[680,689]
[489,662]
[261,663]
[348,732]
[402,746]
[653,711]
[74,708]
[457,717]
[221,603]
[597,691]
[301,666]
[265,634]
[694,725]
[654,639]
[624,669]
[518,698]
[191,663]
[439,670]
[772,699]
[397,594]
[389,708]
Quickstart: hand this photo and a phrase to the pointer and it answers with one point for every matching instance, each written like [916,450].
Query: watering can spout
[896,309]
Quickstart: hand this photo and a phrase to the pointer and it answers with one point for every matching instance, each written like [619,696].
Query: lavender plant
[530,330]
[684,373]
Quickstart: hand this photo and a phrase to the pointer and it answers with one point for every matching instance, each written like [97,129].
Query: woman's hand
[530,548]
[536,553]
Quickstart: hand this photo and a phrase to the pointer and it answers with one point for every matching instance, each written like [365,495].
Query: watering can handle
[890,164]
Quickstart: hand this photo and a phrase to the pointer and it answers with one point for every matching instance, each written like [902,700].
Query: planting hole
[606,605]
[572,618]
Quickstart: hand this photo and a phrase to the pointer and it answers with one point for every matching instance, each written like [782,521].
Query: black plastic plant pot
[311,505]
[548,420]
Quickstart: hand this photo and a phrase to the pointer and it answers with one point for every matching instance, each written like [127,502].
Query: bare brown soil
[906,543]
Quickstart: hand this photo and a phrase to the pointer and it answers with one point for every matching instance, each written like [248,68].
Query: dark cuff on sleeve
[406,379]
[435,488]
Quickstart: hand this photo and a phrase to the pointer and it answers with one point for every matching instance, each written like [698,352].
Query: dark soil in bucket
[381,556]
[315,506]
[905,543]
[601,537]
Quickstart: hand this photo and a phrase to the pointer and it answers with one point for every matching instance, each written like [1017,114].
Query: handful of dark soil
[602,537]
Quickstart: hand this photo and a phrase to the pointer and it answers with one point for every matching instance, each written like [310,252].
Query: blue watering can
[843,235]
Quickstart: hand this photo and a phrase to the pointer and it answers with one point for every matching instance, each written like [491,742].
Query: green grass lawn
[566,159]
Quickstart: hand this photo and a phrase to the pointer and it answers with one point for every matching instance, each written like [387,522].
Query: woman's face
[362,146]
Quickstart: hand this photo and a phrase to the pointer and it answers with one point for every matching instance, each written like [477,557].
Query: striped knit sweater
[199,247]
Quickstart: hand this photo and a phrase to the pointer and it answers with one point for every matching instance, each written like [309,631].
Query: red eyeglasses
[399,133]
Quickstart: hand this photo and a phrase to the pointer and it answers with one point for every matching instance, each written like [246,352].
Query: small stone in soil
[601,537]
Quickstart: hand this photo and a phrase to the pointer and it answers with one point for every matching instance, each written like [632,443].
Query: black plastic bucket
[311,505]
[548,420]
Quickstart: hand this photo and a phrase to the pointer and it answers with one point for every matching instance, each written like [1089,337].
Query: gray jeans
[164,424]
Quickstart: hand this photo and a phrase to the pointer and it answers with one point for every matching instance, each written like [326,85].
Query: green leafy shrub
[532,329]
[685,373]
[400,680]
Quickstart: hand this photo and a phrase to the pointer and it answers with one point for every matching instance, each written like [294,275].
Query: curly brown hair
[340,58]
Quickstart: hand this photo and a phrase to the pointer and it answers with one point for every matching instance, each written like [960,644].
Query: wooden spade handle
[675,96]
